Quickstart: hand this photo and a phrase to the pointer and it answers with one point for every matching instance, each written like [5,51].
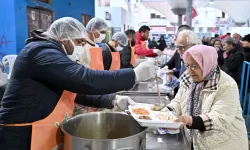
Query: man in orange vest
[45,83]
[111,51]
[128,52]
[140,45]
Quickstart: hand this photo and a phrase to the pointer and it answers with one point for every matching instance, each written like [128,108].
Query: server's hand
[157,51]
[122,102]
[145,71]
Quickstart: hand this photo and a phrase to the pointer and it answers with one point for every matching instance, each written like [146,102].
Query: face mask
[118,48]
[77,50]
[100,38]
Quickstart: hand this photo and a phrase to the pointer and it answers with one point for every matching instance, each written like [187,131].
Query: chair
[8,61]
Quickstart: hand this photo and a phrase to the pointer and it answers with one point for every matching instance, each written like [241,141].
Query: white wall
[119,17]
[206,17]
[116,15]
[129,19]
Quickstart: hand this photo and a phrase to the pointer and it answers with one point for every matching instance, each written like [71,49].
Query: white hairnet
[121,38]
[96,24]
[67,28]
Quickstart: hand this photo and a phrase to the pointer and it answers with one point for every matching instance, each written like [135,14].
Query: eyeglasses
[182,47]
[191,67]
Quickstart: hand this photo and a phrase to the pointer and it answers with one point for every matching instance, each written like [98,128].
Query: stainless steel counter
[169,142]
[145,92]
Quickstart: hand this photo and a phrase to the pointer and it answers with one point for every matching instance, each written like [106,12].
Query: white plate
[155,122]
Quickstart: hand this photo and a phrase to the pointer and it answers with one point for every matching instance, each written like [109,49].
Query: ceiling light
[211,2]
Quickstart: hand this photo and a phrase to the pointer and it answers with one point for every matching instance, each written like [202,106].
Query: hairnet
[121,38]
[67,28]
[96,24]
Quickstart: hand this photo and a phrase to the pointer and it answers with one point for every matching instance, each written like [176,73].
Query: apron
[132,59]
[96,63]
[116,60]
[46,134]
[96,60]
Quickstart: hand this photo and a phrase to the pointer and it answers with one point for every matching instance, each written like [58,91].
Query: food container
[156,117]
[103,131]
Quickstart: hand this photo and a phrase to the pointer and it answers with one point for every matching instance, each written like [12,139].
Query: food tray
[155,121]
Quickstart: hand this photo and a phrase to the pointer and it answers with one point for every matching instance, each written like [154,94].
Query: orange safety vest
[46,134]
[132,59]
[96,63]
[116,60]
[96,60]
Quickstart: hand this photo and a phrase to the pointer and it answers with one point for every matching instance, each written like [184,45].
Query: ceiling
[241,13]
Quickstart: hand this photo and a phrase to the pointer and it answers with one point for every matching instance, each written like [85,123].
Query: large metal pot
[103,131]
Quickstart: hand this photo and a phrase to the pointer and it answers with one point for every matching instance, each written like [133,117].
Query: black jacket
[40,74]
[162,45]
[246,53]
[126,57]
[220,58]
[106,54]
[233,64]
[174,62]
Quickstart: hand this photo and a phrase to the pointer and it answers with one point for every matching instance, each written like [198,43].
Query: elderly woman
[208,103]
[233,59]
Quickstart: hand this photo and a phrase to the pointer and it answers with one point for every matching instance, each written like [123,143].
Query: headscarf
[205,56]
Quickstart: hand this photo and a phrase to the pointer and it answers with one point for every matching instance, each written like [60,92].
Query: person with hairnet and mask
[111,51]
[91,55]
[45,83]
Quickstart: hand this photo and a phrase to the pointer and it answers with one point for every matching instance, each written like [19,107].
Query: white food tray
[155,122]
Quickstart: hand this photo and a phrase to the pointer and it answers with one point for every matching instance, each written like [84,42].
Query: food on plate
[144,117]
[165,116]
[140,111]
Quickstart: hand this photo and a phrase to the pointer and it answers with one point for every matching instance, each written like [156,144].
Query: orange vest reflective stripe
[96,60]
[116,60]
[46,134]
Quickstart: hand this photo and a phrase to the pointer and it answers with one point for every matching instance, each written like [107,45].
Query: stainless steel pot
[103,131]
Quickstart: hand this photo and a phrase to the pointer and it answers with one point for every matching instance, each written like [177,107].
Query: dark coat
[126,57]
[220,58]
[174,62]
[106,55]
[162,44]
[233,64]
[41,72]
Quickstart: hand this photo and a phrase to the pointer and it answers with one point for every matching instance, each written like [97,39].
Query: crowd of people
[232,51]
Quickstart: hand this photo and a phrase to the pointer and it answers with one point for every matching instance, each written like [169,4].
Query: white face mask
[100,38]
[77,50]
[119,48]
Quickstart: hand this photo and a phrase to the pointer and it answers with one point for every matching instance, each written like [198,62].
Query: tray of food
[145,115]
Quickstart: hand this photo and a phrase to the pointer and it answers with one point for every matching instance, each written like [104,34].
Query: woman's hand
[185,119]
